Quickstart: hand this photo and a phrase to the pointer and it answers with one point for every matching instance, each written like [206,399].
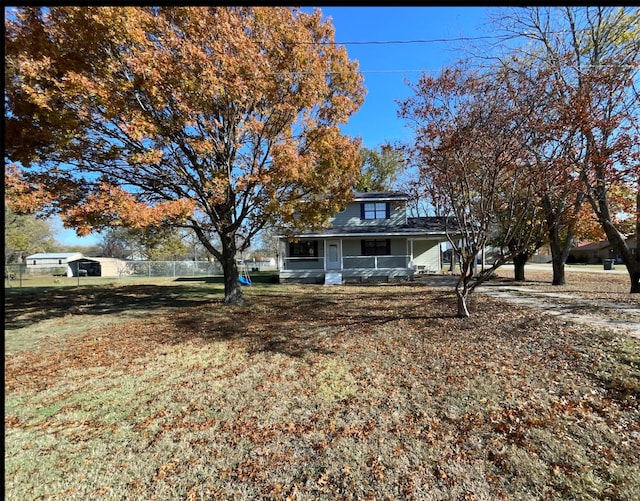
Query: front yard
[312,392]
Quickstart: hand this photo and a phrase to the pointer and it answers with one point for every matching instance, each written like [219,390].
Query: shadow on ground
[295,321]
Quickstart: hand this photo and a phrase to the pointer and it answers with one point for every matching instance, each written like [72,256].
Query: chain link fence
[17,273]
[23,275]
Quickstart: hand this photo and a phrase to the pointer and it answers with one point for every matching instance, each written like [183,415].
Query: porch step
[333,278]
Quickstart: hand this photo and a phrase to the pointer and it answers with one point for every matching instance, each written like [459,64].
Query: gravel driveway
[594,297]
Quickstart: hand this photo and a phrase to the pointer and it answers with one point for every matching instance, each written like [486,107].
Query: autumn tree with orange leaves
[593,56]
[467,144]
[548,144]
[214,119]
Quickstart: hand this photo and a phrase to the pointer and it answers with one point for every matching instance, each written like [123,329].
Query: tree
[157,244]
[164,244]
[270,242]
[468,145]
[548,143]
[214,119]
[24,235]
[118,242]
[592,54]
[380,169]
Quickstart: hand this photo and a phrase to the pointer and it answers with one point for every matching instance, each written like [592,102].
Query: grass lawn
[160,391]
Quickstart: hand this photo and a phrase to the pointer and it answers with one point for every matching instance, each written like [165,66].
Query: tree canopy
[215,119]
[380,169]
[543,139]
[24,235]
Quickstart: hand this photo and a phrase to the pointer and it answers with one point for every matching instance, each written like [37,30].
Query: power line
[432,40]
[429,40]
[404,42]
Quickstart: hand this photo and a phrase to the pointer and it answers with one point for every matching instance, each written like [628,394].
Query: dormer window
[375,210]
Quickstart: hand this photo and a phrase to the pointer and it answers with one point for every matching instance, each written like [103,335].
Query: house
[596,252]
[371,239]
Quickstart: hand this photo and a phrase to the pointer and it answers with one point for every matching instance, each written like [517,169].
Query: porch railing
[350,262]
[376,262]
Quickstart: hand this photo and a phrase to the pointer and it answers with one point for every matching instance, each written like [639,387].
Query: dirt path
[622,318]
[591,297]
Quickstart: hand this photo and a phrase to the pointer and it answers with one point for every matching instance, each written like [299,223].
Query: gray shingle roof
[379,195]
[415,226]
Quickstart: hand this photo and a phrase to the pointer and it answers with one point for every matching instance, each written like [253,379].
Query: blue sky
[436,35]
[385,66]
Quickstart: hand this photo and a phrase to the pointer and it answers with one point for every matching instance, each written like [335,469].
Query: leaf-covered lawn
[312,392]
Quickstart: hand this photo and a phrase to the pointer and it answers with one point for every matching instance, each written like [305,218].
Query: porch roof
[414,227]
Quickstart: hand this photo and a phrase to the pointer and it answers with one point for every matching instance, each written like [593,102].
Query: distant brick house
[596,252]
[373,238]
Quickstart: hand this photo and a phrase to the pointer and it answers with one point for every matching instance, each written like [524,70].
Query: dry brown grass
[312,392]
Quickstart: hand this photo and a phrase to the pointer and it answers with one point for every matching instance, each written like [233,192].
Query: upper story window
[375,210]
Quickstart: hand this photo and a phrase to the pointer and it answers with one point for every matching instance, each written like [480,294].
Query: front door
[333,255]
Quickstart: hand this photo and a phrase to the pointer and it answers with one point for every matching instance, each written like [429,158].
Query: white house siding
[426,256]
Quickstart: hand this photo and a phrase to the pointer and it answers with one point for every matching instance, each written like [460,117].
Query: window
[306,248]
[375,210]
[376,247]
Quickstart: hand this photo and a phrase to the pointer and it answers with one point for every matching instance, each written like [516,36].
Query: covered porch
[349,259]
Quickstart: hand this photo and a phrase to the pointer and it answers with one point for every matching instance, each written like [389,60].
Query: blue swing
[244,278]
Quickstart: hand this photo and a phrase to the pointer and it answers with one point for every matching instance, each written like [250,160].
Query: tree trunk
[232,288]
[557,263]
[463,311]
[519,261]
[558,258]
[559,249]
[598,199]
[618,243]
[463,290]
[635,281]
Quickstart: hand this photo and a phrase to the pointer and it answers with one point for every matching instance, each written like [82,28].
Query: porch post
[410,265]
[325,248]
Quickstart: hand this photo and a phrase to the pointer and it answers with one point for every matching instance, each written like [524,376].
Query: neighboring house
[596,252]
[52,262]
[372,239]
